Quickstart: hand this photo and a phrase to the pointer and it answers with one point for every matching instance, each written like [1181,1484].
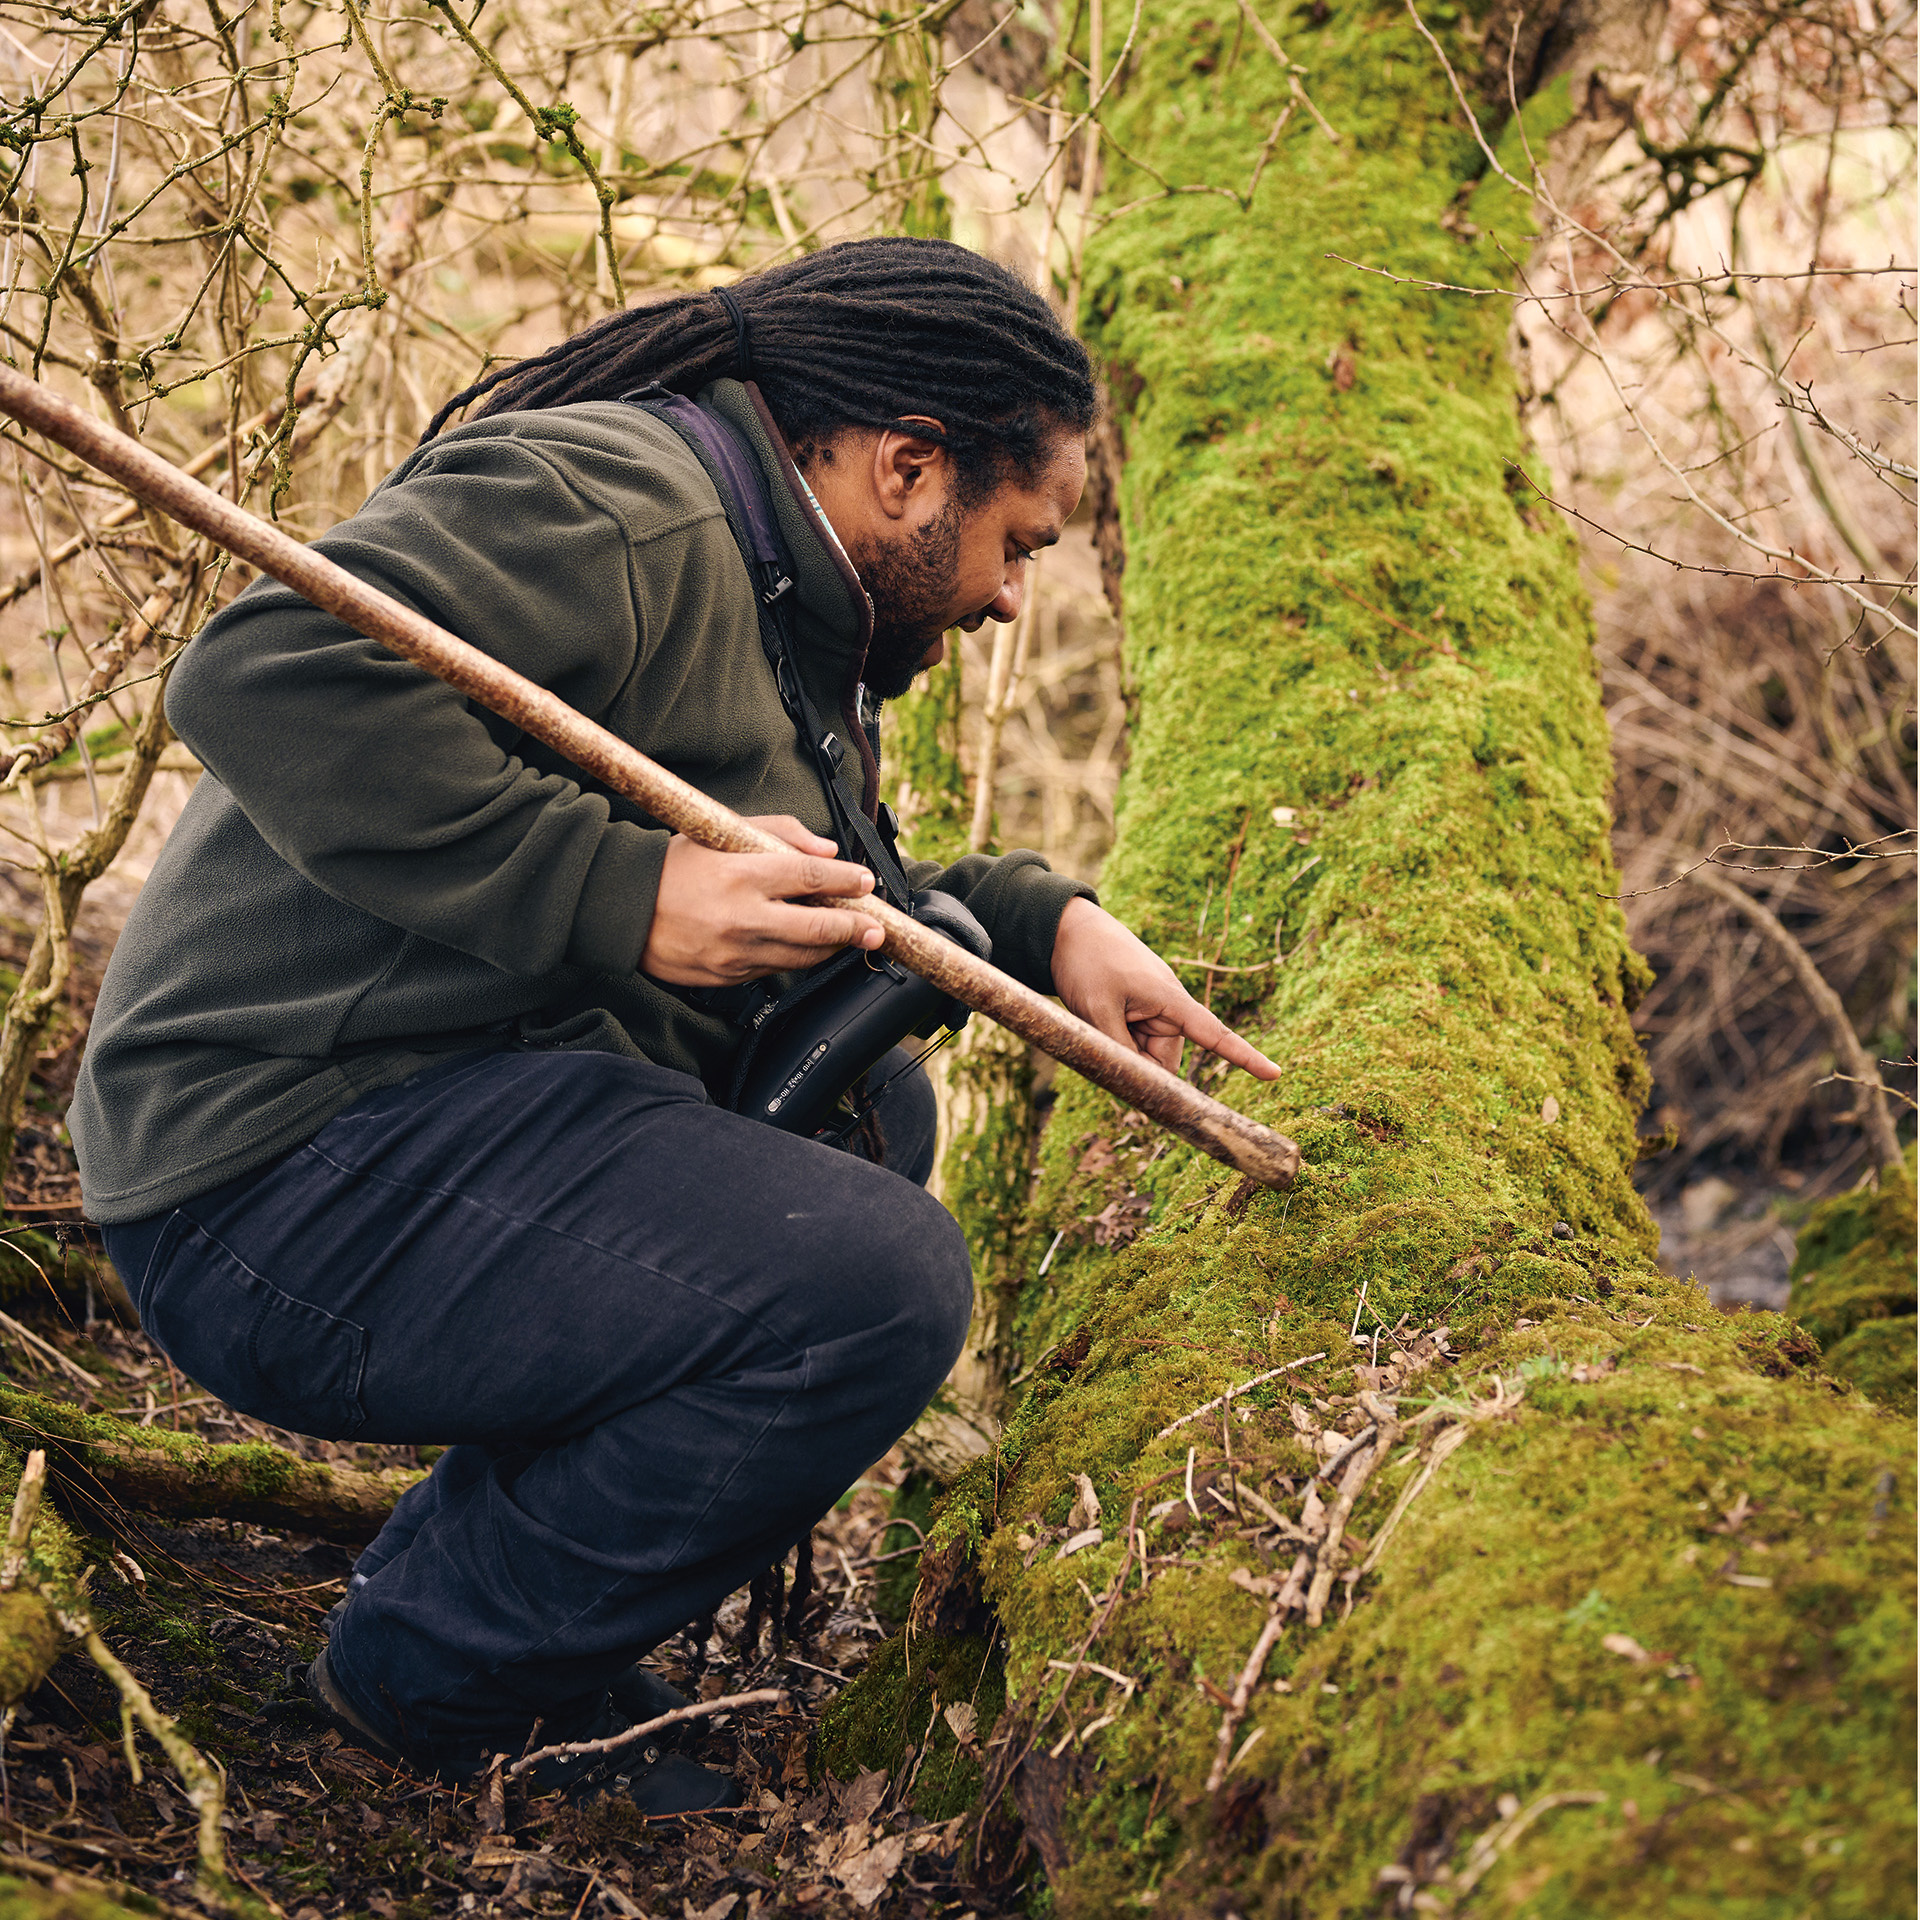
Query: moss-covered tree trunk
[983,1084]
[1601,1603]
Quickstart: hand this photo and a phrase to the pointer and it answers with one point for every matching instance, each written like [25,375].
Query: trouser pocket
[244,1339]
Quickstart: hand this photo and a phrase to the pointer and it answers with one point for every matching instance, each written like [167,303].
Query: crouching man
[404,1110]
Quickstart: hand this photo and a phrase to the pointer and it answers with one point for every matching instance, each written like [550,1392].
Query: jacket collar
[837,620]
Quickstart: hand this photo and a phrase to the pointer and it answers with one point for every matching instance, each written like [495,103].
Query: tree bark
[1535,1575]
[180,1477]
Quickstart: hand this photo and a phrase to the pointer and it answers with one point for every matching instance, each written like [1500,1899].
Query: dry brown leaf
[1120,1222]
[490,1804]
[863,1796]
[943,1838]
[867,1875]
[1313,1513]
[962,1720]
[1085,1511]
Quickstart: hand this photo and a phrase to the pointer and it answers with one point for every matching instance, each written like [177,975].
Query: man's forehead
[1051,495]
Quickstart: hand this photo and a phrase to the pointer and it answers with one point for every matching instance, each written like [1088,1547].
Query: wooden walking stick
[1261,1154]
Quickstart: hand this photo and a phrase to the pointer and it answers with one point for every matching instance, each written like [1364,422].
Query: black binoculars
[811,1046]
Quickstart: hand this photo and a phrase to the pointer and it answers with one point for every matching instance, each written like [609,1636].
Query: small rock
[1562,1231]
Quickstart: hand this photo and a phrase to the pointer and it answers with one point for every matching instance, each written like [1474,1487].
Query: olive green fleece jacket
[373,872]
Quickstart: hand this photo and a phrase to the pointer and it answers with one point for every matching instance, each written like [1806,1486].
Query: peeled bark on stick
[1623,1625]
[181,1477]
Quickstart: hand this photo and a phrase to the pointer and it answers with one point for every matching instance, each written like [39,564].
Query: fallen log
[179,1476]
[69,1896]
[1622,1623]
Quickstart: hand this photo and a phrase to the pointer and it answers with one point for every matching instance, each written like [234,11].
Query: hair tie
[742,352]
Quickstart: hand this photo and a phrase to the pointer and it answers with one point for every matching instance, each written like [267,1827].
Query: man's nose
[1005,605]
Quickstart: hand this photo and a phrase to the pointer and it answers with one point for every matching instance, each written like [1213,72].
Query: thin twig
[1243,1692]
[696,1710]
[1258,1380]
[1826,1003]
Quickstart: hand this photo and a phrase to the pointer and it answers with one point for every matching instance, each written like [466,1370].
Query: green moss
[923,752]
[1878,1357]
[1853,1284]
[181,1475]
[1363,660]
[70,1898]
[987,1160]
[985,1077]
[30,1635]
[895,1581]
[901,1718]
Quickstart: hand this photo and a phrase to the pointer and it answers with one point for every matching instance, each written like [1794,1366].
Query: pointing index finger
[1219,1038]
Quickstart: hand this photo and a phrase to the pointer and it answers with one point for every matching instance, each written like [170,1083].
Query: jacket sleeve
[1018,898]
[386,788]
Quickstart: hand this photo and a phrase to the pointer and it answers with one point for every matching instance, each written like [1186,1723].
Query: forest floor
[219,1621]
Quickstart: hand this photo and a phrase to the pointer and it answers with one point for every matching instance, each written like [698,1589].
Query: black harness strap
[756,532]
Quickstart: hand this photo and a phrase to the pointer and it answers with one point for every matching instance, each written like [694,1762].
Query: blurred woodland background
[269,239]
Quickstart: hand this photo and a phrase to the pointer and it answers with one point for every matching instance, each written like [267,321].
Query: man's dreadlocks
[860,334]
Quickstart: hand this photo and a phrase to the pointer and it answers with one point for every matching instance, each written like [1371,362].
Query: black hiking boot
[658,1781]
[331,1705]
[639,1693]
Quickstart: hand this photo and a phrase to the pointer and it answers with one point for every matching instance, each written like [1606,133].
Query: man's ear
[907,465]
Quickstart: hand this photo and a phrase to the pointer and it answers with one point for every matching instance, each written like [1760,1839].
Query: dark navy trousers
[657,1339]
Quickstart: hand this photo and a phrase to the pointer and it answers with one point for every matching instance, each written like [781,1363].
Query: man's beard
[911,585]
